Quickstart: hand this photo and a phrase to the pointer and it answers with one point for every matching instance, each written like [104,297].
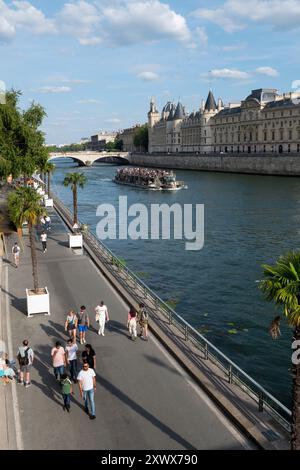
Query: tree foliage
[22,143]
[141,138]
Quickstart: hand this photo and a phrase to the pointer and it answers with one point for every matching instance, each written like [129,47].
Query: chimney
[219,104]
[202,105]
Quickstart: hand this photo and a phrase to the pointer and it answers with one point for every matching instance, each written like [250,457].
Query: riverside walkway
[144,400]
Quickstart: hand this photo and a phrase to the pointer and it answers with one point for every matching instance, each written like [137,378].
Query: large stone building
[127,137]
[265,122]
[99,141]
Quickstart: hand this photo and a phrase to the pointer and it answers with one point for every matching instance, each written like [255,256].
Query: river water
[249,220]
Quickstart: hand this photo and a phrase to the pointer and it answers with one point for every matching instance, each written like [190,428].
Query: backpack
[15,249]
[23,360]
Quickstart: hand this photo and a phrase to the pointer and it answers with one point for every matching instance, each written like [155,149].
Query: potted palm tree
[24,205]
[281,285]
[75,180]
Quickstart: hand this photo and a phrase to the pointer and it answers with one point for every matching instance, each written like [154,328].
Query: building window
[264,149]
[298,147]
[281,135]
[290,135]
[273,135]
[265,136]
[289,147]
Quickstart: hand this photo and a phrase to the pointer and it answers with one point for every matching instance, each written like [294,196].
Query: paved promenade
[143,399]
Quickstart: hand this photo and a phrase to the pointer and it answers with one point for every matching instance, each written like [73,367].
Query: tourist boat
[149,178]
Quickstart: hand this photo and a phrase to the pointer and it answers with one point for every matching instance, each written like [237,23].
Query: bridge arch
[69,157]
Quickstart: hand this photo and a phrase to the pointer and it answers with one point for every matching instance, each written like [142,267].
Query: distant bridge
[89,158]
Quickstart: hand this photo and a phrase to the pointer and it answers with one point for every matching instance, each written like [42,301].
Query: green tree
[281,285]
[22,144]
[141,138]
[75,180]
[24,206]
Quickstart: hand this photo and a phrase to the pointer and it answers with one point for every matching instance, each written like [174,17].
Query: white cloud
[233,15]
[148,76]
[79,19]
[64,79]
[22,14]
[201,35]
[229,74]
[122,22]
[52,89]
[267,71]
[113,120]
[144,21]
[93,41]
[220,17]
[296,85]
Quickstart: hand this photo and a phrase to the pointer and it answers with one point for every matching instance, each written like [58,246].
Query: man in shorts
[83,323]
[25,357]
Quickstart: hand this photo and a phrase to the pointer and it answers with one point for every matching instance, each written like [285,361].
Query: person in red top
[132,323]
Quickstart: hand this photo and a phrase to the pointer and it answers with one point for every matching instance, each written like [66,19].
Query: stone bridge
[89,158]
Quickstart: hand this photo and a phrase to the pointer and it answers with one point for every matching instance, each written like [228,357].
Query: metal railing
[142,293]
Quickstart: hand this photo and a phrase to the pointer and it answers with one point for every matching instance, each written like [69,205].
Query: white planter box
[75,241]
[46,197]
[48,202]
[37,303]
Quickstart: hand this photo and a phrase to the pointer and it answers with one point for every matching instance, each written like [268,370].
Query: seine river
[249,220]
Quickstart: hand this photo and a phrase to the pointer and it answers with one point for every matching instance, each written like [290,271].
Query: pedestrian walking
[44,241]
[83,323]
[89,356]
[87,386]
[71,359]
[143,318]
[47,223]
[101,317]
[58,360]
[66,390]
[25,357]
[43,222]
[132,323]
[71,325]
[16,254]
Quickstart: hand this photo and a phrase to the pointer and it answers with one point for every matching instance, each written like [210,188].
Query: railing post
[230,374]
[261,402]
[186,332]
[206,351]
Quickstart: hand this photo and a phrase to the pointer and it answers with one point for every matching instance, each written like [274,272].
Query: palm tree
[74,180]
[50,167]
[281,285]
[24,206]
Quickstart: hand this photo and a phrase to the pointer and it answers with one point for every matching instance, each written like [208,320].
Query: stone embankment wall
[284,165]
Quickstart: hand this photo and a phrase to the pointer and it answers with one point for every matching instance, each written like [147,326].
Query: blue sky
[95,64]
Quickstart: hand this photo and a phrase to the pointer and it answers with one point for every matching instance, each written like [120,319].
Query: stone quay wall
[280,165]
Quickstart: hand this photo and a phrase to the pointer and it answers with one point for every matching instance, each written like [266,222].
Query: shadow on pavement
[115,391]
[159,362]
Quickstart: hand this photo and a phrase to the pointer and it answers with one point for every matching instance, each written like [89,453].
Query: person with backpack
[132,323]
[16,254]
[66,390]
[47,223]
[83,323]
[143,317]
[25,357]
